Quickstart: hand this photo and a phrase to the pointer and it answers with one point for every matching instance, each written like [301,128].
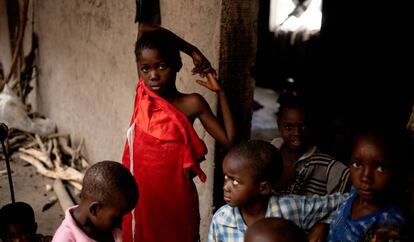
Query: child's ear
[265,188]
[94,207]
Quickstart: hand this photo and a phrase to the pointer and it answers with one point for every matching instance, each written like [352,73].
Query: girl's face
[240,187]
[370,169]
[292,127]
[157,74]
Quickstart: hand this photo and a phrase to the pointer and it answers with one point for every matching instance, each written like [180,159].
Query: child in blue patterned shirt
[251,170]
[376,172]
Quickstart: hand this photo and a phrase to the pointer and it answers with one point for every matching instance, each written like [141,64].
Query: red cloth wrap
[165,148]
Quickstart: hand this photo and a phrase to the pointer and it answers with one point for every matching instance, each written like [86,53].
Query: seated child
[307,171]
[109,192]
[17,223]
[275,230]
[251,169]
[376,172]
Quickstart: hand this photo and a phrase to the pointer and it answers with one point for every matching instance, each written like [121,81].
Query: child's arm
[318,233]
[318,208]
[201,63]
[224,136]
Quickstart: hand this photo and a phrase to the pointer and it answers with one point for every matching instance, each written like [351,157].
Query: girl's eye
[382,169]
[163,66]
[235,182]
[144,69]
[356,165]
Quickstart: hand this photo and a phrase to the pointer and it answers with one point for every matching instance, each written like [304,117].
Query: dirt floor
[30,187]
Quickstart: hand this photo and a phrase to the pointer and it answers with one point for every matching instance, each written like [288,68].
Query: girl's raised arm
[225,136]
[202,65]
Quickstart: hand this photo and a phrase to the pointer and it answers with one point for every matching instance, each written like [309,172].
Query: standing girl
[163,151]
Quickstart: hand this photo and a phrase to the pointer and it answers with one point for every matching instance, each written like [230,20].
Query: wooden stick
[40,143]
[30,144]
[64,173]
[19,42]
[55,150]
[77,153]
[76,185]
[67,149]
[64,199]
[6,55]
[84,163]
[58,135]
[38,155]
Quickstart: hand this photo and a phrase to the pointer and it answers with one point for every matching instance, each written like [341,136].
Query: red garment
[165,147]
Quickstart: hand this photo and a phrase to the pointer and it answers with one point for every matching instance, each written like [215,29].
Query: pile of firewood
[53,156]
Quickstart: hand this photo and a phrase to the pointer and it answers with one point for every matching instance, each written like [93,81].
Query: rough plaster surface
[87,73]
[5,48]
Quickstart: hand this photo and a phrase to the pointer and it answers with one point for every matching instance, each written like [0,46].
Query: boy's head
[378,158]
[17,222]
[158,60]
[293,123]
[274,230]
[109,192]
[250,170]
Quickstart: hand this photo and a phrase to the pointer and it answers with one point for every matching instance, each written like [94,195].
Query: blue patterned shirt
[227,224]
[344,228]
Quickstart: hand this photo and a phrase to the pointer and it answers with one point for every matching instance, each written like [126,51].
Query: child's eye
[163,66]
[288,127]
[234,182]
[144,69]
[356,165]
[382,169]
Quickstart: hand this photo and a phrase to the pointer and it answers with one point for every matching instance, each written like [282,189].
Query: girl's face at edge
[157,73]
[371,170]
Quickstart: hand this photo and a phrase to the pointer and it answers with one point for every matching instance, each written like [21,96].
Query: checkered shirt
[227,224]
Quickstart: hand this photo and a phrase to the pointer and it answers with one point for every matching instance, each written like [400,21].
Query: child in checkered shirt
[251,170]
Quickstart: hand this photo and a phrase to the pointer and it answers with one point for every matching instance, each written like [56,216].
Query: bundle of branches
[53,156]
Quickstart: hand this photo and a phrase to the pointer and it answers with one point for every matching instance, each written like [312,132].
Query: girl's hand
[202,65]
[211,83]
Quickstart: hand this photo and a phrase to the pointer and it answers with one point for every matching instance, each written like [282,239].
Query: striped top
[317,173]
